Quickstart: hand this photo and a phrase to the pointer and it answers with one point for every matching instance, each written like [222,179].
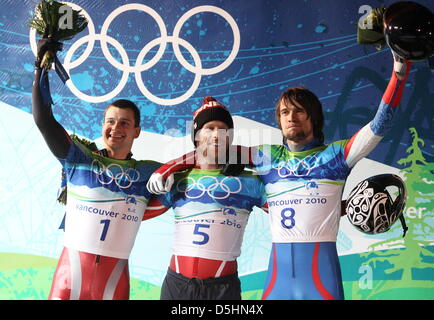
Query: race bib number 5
[203,237]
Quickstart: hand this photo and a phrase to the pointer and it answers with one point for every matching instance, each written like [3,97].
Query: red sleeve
[393,94]
[187,161]
[382,121]
[154,209]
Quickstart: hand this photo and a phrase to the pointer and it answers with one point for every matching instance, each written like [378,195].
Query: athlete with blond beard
[211,214]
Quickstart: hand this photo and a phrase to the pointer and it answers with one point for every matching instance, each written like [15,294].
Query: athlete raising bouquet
[304,179]
[106,197]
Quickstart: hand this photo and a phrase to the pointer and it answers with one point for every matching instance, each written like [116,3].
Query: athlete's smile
[119,130]
[116,136]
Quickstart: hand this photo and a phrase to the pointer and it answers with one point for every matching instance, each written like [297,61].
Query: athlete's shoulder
[148,163]
[83,142]
[268,151]
[270,147]
[189,175]
[190,171]
[337,149]
[338,145]
[249,173]
[80,150]
[342,142]
[145,167]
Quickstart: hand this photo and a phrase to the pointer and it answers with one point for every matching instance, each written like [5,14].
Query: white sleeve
[360,145]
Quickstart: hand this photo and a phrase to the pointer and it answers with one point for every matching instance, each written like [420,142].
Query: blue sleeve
[261,157]
[263,198]
[75,155]
[166,199]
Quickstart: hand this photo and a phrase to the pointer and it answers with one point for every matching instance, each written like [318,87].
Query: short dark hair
[127,104]
[310,102]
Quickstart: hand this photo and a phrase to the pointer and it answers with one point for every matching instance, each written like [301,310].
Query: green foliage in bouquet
[370,29]
[56,20]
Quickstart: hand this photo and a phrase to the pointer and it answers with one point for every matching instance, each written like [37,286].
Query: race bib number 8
[287,215]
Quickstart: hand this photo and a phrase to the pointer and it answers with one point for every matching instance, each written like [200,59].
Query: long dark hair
[310,102]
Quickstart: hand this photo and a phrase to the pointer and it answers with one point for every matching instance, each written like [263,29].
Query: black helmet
[370,208]
[409,30]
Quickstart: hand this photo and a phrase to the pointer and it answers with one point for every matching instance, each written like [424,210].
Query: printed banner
[166,56]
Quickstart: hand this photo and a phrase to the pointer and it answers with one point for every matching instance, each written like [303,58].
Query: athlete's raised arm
[367,138]
[54,134]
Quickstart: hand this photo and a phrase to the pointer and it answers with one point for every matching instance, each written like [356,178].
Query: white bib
[215,235]
[106,227]
[303,214]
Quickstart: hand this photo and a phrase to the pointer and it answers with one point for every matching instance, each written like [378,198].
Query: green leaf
[374,34]
[47,18]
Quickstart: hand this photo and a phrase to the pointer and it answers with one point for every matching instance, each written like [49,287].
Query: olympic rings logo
[296,167]
[115,172]
[139,67]
[209,188]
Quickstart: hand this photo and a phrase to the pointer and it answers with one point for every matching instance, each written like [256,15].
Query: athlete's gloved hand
[158,185]
[44,45]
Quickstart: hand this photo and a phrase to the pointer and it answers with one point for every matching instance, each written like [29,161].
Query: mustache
[297,136]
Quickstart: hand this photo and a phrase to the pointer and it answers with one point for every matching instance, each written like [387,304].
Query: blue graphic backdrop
[282,43]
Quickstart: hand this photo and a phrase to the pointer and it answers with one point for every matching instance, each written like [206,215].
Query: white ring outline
[294,169]
[176,41]
[210,188]
[118,177]
[189,92]
[235,46]
[115,91]
[99,169]
[163,34]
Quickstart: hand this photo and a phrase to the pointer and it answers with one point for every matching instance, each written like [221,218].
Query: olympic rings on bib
[161,41]
[115,172]
[210,189]
[296,167]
